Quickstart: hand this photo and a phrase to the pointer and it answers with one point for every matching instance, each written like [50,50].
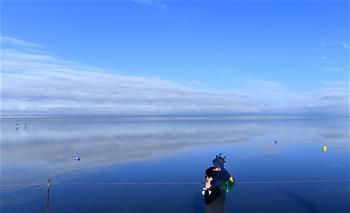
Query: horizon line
[175,117]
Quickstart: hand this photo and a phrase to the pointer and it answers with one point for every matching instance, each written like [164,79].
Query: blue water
[176,153]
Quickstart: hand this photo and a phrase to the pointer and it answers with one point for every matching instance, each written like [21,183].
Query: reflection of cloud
[49,147]
[318,132]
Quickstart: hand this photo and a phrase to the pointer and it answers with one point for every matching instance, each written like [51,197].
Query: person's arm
[227,175]
[211,195]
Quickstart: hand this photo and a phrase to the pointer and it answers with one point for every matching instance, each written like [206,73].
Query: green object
[227,185]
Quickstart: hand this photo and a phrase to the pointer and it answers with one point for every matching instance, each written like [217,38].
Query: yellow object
[325,148]
[231,179]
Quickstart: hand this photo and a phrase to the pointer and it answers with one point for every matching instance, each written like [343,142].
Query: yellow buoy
[325,148]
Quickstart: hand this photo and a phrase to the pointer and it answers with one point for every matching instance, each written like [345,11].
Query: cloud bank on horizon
[35,82]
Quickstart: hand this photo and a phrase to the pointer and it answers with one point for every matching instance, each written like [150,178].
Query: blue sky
[255,49]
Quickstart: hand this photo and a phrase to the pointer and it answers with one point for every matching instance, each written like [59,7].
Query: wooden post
[48,195]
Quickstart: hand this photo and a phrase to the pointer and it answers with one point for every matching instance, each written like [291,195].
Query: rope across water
[174,183]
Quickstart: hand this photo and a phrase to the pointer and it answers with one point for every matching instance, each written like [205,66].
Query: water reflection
[49,147]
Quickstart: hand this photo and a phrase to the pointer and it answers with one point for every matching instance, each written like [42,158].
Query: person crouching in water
[214,196]
[218,182]
[223,178]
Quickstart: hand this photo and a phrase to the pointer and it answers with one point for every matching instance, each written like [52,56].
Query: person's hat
[219,161]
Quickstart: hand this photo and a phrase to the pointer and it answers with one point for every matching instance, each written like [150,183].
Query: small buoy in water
[324,148]
[275,142]
[77,158]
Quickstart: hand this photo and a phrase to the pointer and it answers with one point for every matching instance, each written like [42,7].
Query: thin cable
[175,183]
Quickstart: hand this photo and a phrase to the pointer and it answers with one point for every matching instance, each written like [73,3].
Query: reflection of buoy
[77,158]
[325,148]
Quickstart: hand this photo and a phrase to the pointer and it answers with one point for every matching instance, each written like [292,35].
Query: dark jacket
[215,201]
[222,175]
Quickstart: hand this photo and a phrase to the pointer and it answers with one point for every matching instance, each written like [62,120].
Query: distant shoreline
[173,118]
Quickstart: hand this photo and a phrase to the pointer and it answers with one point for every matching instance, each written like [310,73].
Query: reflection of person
[214,196]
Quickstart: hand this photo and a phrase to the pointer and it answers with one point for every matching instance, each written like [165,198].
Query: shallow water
[158,165]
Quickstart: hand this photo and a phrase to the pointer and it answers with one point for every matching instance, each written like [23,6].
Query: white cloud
[323,60]
[14,41]
[345,45]
[36,82]
[336,69]
[157,3]
[33,82]
[342,44]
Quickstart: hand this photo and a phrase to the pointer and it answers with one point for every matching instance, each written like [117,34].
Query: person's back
[221,176]
[214,196]
[215,202]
